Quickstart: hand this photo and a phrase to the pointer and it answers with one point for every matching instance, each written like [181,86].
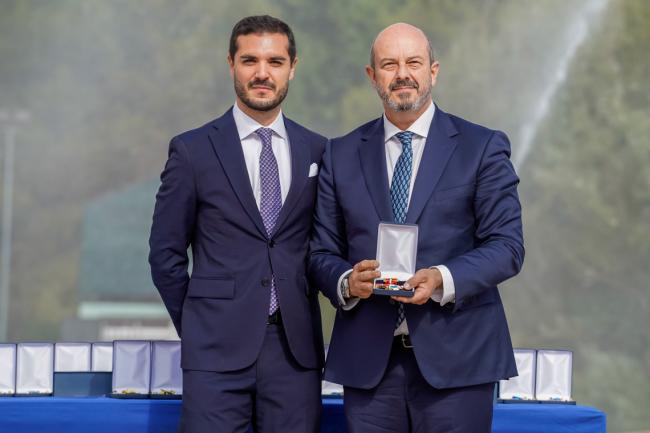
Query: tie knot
[405,137]
[265,134]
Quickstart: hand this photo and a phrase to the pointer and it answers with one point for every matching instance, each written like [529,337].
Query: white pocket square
[313,169]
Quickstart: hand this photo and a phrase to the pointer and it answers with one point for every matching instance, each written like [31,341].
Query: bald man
[426,363]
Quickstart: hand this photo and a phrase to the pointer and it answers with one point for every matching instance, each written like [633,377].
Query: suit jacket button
[271,243]
[266,282]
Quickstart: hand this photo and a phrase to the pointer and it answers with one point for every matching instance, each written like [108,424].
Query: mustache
[403,83]
[265,83]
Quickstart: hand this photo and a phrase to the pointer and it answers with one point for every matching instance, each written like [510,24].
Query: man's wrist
[446,292]
[436,268]
[339,287]
[345,287]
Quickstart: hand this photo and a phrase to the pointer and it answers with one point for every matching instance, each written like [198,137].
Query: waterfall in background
[583,21]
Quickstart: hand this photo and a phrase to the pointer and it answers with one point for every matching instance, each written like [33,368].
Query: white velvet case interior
[521,387]
[35,368]
[397,246]
[166,373]
[7,369]
[71,357]
[102,357]
[329,388]
[131,367]
[554,371]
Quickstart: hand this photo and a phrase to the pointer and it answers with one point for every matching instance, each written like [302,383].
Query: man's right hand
[361,278]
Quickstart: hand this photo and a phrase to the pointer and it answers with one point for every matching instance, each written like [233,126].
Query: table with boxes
[121,369]
[545,376]
[138,376]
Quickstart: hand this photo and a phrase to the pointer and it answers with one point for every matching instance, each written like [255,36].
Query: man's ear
[231,65]
[370,72]
[292,71]
[435,67]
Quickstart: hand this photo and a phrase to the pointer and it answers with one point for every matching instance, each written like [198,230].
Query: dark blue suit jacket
[466,205]
[206,201]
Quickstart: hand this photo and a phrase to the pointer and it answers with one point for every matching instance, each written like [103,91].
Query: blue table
[106,415]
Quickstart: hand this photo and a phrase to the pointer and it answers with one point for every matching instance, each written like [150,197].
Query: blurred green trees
[109,82]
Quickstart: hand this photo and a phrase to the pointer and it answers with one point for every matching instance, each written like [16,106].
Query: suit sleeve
[328,243]
[499,251]
[171,230]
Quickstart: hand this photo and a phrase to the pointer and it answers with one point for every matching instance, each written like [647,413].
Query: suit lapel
[226,144]
[440,145]
[372,155]
[300,159]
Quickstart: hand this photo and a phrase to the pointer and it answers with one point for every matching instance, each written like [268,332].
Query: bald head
[401,34]
[403,71]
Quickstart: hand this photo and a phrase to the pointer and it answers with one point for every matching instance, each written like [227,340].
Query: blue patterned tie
[271,197]
[399,191]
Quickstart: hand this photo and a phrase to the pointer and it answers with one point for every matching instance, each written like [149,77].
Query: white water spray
[584,20]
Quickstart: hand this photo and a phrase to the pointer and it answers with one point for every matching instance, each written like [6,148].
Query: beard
[241,90]
[404,103]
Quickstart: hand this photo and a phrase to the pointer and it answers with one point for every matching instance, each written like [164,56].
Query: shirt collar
[246,125]
[419,127]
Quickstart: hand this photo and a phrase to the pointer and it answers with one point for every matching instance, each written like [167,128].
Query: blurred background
[91,92]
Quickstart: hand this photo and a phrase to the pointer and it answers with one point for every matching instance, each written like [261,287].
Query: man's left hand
[425,281]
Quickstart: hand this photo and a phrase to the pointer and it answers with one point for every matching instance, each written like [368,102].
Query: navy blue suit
[466,205]
[206,201]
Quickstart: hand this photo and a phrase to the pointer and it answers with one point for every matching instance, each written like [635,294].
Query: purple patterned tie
[271,197]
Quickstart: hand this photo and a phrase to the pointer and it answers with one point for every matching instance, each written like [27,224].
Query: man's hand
[425,281]
[361,278]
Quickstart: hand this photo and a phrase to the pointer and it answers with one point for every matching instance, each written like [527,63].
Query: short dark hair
[259,24]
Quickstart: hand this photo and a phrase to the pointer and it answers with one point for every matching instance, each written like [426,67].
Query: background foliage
[109,82]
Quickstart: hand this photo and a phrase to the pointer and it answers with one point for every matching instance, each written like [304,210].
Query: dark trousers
[275,394]
[404,402]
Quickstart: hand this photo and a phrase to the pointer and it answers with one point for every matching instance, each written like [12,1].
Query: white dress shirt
[251,144]
[393,148]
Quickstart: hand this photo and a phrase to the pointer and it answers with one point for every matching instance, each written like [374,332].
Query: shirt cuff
[446,293]
[350,303]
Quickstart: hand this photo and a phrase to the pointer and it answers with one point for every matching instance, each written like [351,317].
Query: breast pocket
[454,205]
[457,192]
[214,288]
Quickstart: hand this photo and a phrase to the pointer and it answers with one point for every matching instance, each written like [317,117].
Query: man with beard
[426,363]
[240,191]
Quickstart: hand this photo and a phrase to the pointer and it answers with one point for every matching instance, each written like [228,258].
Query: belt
[402,341]
[275,318]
